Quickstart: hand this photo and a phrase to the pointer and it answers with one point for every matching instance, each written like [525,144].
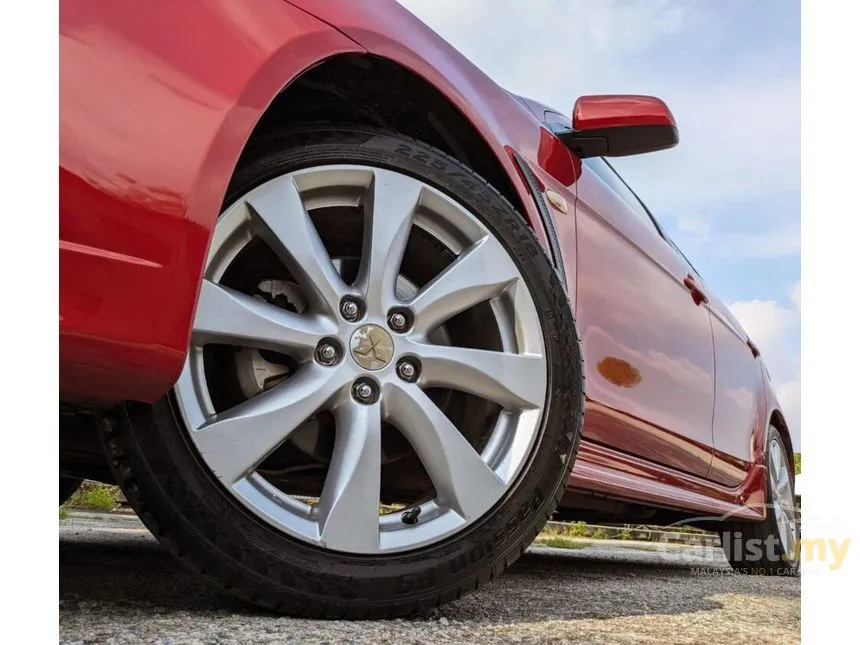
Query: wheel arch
[777,420]
[361,89]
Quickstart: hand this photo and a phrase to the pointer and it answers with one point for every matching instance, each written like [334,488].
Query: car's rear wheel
[768,547]
[383,394]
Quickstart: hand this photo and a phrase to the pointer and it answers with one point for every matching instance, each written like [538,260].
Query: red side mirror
[620,125]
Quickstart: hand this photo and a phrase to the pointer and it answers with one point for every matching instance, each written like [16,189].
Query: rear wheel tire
[768,547]
[179,482]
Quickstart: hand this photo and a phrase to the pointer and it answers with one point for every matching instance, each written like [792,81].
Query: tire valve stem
[411,516]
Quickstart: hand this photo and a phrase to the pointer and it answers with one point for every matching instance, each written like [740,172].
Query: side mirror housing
[619,125]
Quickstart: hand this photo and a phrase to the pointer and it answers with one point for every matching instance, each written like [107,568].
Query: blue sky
[729,194]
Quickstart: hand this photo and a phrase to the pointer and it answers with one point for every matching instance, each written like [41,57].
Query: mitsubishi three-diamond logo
[371,347]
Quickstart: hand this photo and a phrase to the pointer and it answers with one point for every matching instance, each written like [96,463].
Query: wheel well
[368,90]
[778,422]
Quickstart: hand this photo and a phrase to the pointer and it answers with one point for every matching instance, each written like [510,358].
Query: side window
[611,178]
[681,253]
[608,175]
[555,120]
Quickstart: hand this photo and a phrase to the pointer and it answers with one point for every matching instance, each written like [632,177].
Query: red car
[340,315]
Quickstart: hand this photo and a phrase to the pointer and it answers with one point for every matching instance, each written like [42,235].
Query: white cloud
[552,48]
[774,329]
[763,319]
[782,241]
[694,224]
[795,296]
[697,236]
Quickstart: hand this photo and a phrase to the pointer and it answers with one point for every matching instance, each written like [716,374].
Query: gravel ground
[117,585]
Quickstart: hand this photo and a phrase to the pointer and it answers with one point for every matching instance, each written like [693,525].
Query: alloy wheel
[782,496]
[369,350]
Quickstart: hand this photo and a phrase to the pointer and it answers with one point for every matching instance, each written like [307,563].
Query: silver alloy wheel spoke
[779,512]
[388,211]
[280,218]
[236,441]
[782,497]
[514,381]
[775,461]
[786,531]
[349,505]
[227,316]
[790,531]
[482,271]
[463,481]
[783,482]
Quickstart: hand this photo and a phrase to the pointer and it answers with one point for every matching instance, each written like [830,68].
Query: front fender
[152,122]
[776,417]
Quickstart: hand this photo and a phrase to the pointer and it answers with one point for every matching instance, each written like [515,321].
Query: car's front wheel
[383,394]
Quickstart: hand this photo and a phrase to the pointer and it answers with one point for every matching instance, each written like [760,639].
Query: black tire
[746,544]
[202,524]
[68,487]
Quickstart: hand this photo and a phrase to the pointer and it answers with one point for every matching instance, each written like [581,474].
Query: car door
[646,332]
[740,405]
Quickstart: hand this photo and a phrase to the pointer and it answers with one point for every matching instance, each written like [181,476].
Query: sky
[729,194]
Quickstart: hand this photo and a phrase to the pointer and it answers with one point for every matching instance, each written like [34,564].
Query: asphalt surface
[117,585]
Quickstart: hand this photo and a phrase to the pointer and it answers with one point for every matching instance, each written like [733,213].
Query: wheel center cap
[371,347]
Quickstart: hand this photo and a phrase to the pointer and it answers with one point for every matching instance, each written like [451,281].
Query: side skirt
[600,469]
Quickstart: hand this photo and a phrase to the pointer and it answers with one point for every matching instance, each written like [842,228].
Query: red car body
[158,100]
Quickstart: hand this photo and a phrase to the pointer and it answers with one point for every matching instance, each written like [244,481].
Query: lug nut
[350,310]
[407,370]
[327,354]
[398,321]
[364,392]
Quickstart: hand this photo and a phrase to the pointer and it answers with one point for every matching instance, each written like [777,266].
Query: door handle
[699,296]
[753,348]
